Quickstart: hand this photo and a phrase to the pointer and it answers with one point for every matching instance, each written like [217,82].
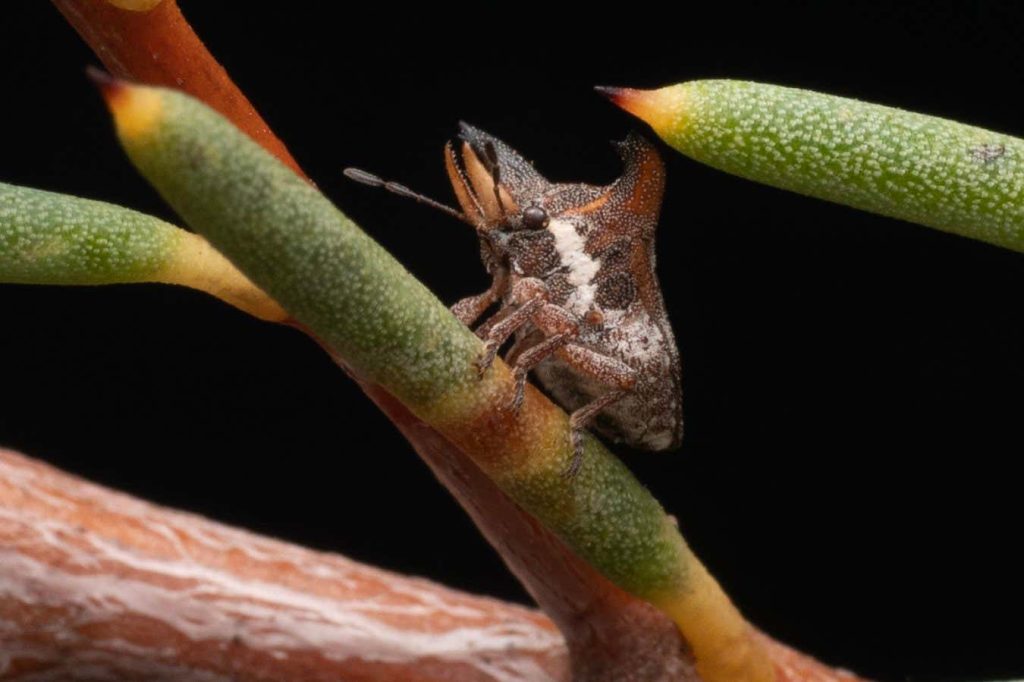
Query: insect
[572,269]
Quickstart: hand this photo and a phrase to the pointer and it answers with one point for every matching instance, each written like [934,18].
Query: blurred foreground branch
[97,585]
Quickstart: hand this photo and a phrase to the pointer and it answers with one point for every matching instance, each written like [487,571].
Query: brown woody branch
[97,585]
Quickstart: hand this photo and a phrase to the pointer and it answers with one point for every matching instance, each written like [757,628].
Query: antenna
[372,180]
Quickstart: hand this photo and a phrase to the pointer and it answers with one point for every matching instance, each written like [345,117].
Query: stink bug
[573,274]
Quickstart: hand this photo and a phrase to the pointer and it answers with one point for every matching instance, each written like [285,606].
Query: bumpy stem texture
[48,238]
[924,169]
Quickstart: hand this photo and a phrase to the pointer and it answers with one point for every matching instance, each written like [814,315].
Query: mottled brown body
[573,269]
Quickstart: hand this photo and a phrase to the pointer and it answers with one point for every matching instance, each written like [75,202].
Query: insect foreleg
[527,298]
[521,345]
[558,327]
[499,333]
[469,309]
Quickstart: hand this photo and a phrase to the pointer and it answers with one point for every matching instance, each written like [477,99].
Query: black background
[852,383]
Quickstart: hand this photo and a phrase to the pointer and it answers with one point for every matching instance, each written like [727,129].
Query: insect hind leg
[578,421]
[616,374]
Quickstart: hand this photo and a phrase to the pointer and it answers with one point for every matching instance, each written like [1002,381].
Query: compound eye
[535,218]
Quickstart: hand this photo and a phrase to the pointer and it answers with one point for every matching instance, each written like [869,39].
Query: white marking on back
[582,268]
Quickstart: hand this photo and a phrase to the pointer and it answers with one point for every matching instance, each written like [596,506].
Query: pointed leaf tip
[626,98]
[112,89]
[136,108]
[609,91]
[103,80]
[644,104]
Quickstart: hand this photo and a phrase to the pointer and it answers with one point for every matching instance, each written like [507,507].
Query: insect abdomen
[650,416]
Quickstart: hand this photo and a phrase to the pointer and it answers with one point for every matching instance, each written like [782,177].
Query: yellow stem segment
[722,640]
[195,263]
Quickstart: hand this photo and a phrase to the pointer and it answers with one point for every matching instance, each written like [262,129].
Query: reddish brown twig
[160,48]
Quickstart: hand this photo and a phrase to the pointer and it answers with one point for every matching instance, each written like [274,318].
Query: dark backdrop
[852,383]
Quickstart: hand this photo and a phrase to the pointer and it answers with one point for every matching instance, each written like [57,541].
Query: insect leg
[484,330]
[469,309]
[530,358]
[620,376]
[528,295]
[521,345]
[558,328]
[506,327]
[579,418]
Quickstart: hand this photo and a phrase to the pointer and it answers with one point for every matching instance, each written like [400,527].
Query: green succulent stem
[924,169]
[48,238]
